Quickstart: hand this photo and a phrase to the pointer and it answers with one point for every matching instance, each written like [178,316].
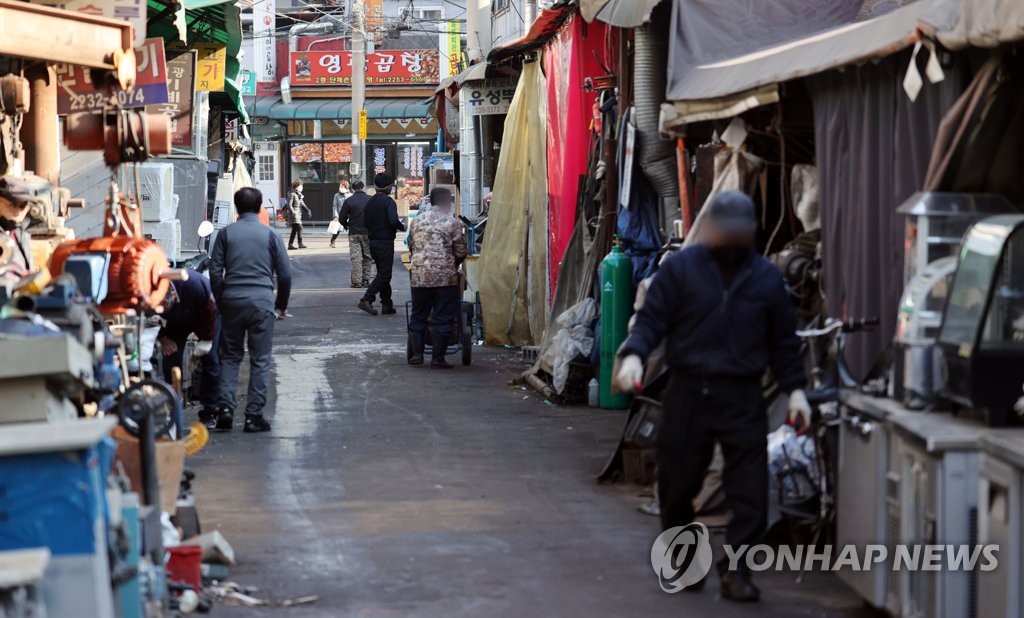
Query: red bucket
[184,565]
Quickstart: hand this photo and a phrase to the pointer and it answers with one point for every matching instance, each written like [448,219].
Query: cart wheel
[467,345]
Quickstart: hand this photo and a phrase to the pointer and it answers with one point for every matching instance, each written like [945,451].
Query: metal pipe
[656,156]
[39,133]
[529,14]
[317,27]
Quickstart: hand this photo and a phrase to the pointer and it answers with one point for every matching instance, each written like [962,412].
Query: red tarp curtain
[569,59]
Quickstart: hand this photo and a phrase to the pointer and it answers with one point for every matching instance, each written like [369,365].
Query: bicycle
[828,373]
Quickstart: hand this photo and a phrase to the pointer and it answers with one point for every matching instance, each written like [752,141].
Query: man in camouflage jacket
[437,244]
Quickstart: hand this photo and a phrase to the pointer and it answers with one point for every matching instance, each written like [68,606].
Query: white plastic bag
[333,227]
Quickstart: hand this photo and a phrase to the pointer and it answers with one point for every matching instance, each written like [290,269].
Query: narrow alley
[393,491]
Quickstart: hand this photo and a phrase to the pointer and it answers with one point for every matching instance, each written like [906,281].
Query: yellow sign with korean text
[362,125]
[453,50]
[210,66]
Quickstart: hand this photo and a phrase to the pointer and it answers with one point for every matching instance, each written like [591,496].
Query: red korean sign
[76,93]
[400,67]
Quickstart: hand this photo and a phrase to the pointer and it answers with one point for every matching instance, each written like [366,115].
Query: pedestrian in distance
[725,315]
[294,211]
[352,218]
[344,192]
[382,225]
[437,245]
[245,258]
[190,309]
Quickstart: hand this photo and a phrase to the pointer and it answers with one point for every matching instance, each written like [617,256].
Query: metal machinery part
[153,398]
[138,272]
[800,263]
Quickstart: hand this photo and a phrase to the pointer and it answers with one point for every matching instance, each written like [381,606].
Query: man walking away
[351,217]
[296,205]
[339,198]
[244,260]
[725,315]
[382,225]
[189,308]
[437,242]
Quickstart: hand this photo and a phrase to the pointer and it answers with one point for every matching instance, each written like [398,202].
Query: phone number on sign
[95,100]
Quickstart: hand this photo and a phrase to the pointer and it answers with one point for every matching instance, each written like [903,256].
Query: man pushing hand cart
[437,245]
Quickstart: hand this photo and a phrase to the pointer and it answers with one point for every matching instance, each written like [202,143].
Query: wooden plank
[71,37]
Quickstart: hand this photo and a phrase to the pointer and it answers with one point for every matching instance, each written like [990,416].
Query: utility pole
[359,86]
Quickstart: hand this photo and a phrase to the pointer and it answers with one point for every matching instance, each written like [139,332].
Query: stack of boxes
[160,207]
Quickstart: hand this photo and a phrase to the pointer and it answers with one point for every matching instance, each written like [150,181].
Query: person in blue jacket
[725,316]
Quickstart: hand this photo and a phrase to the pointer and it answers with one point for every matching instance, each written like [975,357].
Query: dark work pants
[241,321]
[210,388]
[439,306]
[383,254]
[296,232]
[697,413]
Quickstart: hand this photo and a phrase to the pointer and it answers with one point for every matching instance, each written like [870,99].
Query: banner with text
[181,75]
[76,93]
[408,67]
[490,96]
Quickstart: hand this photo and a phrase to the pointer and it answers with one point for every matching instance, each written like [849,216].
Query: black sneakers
[255,423]
[208,417]
[388,309]
[225,419]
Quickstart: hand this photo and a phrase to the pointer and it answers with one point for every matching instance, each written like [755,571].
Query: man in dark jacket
[351,217]
[382,225]
[725,316]
[244,260]
[189,308]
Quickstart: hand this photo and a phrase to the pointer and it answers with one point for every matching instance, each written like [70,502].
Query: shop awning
[621,13]
[215,21]
[544,27]
[377,108]
[975,23]
[725,88]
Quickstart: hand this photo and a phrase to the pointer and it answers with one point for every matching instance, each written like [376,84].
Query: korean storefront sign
[385,68]
[76,93]
[211,62]
[490,96]
[264,41]
[180,97]
[248,83]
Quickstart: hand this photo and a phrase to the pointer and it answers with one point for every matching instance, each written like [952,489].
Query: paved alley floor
[389,490]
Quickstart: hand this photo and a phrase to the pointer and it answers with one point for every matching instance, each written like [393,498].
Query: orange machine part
[136,264]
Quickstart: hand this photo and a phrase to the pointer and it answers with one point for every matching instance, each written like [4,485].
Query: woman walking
[296,204]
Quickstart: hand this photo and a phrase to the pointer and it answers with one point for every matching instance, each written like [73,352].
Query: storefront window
[337,157]
[307,162]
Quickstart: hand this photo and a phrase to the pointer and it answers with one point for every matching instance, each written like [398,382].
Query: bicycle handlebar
[833,325]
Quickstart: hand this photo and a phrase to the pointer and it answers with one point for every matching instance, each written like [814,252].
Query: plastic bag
[574,337]
[333,227]
[793,464]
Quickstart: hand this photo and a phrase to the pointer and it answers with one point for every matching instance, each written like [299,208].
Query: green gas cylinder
[616,307]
